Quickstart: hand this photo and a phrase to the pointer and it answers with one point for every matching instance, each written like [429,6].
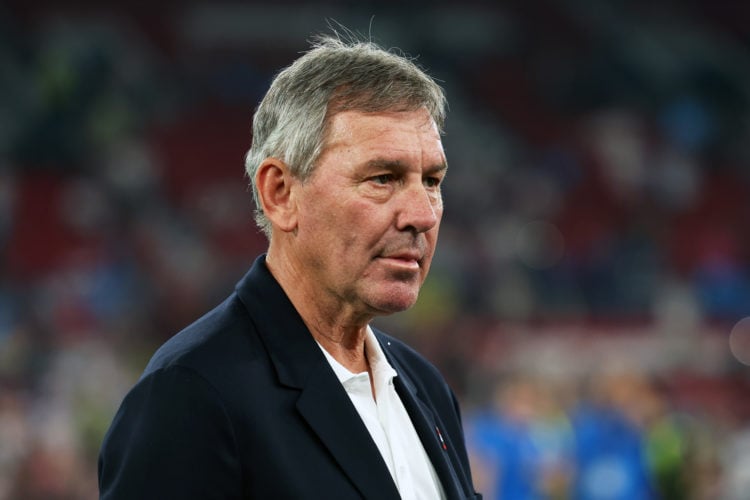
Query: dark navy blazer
[243,404]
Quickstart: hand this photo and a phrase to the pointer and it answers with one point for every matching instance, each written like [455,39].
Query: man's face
[368,216]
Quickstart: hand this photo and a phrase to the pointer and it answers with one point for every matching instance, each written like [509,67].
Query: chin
[389,309]
[395,302]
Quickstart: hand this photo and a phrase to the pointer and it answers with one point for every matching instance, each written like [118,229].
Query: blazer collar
[289,343]
[427,424]
[323,402]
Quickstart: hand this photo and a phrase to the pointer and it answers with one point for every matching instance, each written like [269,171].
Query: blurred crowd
[592,280]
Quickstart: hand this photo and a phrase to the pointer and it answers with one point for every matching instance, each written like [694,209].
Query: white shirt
[389,424]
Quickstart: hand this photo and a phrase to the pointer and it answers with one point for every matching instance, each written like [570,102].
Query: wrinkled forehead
[407,138]
[401,126]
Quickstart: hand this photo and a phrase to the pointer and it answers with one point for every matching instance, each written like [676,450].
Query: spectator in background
[284,390]
[522,443]
[611,433]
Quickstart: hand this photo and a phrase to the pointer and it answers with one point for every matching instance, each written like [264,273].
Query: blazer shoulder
[222,334]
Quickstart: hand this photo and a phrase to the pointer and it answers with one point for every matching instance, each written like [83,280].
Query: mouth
[403,260]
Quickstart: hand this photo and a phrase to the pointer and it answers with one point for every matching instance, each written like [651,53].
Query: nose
[420,210]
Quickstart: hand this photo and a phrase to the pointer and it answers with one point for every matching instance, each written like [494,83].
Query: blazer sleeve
[171,438]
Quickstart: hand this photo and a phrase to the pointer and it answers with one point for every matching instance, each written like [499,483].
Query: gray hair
[333,76]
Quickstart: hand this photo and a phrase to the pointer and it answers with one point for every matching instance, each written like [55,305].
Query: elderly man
[284,391]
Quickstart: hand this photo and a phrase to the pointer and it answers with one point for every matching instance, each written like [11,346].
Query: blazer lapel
[328,410]
[323,402]
[428,428]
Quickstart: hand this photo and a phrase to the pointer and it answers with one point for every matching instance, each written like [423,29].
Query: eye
[382,179]
[432,182]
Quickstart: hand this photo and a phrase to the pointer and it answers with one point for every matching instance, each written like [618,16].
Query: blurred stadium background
[590,298]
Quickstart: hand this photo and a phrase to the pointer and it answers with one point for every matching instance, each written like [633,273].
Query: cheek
[432,234]
[431,237]
[364,222]
[343,231]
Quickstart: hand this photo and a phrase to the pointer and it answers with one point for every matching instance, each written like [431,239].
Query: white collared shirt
[389,424]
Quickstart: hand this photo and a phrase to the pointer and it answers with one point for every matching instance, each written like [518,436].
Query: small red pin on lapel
[440,436]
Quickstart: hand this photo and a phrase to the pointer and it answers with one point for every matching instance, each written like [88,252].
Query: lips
[403,261]
[405,256]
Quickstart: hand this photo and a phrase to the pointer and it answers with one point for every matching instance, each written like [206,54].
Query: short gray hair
[335,75]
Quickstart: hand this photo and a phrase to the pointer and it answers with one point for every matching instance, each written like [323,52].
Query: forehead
[395,133]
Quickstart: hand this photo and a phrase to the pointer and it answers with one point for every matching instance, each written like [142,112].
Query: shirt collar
[381,369]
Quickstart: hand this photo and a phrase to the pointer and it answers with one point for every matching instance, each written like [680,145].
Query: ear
[274,182]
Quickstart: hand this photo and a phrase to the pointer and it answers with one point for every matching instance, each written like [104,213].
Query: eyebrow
[400,166]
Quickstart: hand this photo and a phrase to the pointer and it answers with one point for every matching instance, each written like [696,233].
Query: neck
[351,353]
[334,326]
